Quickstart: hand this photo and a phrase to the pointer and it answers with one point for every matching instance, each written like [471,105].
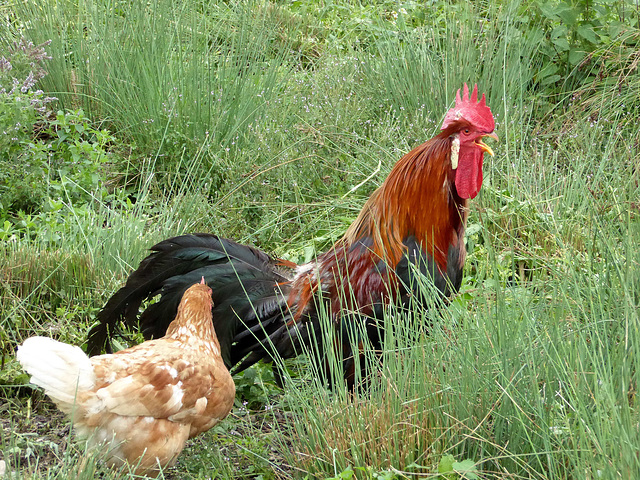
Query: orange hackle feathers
[412,200]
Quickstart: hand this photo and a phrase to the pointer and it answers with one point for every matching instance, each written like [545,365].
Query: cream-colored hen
[141,404]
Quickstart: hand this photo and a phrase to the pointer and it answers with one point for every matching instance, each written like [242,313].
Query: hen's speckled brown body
[147,400]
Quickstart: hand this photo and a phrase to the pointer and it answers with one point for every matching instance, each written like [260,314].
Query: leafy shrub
[43,156]
[574,34]
[21,108]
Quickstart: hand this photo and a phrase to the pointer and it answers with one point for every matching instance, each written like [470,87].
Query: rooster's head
[467,123]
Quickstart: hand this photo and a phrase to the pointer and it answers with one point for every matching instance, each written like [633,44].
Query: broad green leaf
[605,39]
[346,474]
[446,464]
[549,80]
[576,56]
[615,29]
[467,469]
[559,31]
[586,32]
[548,10]
[548,70]
[567,14]
[562,44]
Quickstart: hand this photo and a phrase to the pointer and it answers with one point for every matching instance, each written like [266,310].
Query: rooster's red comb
[469,109]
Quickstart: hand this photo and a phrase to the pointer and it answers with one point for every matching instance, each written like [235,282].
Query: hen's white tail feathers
[64,371]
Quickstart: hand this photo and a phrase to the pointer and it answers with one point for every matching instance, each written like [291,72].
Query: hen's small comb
[202,281]
[469,109]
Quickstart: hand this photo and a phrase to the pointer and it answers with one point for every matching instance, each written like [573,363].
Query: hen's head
[196,304]
[198,293]
[468,122]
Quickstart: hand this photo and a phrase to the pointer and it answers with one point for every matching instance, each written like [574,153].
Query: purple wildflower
[5,64]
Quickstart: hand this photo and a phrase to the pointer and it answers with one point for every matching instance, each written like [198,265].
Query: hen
[411,227]
[140,405]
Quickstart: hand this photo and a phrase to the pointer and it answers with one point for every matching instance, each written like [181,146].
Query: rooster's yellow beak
[485,147]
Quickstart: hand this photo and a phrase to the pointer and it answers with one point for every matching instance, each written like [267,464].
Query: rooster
[140,405]
[411,226]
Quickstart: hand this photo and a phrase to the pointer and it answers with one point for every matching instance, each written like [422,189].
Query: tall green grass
[169,78]
[531,372]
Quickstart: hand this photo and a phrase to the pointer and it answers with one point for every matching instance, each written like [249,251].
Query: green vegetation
[123,123]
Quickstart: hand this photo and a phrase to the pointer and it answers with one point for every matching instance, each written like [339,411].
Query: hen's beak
[485,147]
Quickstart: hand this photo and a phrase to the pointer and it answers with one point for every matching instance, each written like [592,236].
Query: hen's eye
[466,130]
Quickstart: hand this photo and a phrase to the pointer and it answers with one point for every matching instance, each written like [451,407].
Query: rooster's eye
[466,130]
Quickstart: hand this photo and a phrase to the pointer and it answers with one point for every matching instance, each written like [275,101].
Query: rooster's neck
[418,198]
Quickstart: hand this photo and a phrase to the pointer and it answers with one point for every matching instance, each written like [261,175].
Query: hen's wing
[158,379]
